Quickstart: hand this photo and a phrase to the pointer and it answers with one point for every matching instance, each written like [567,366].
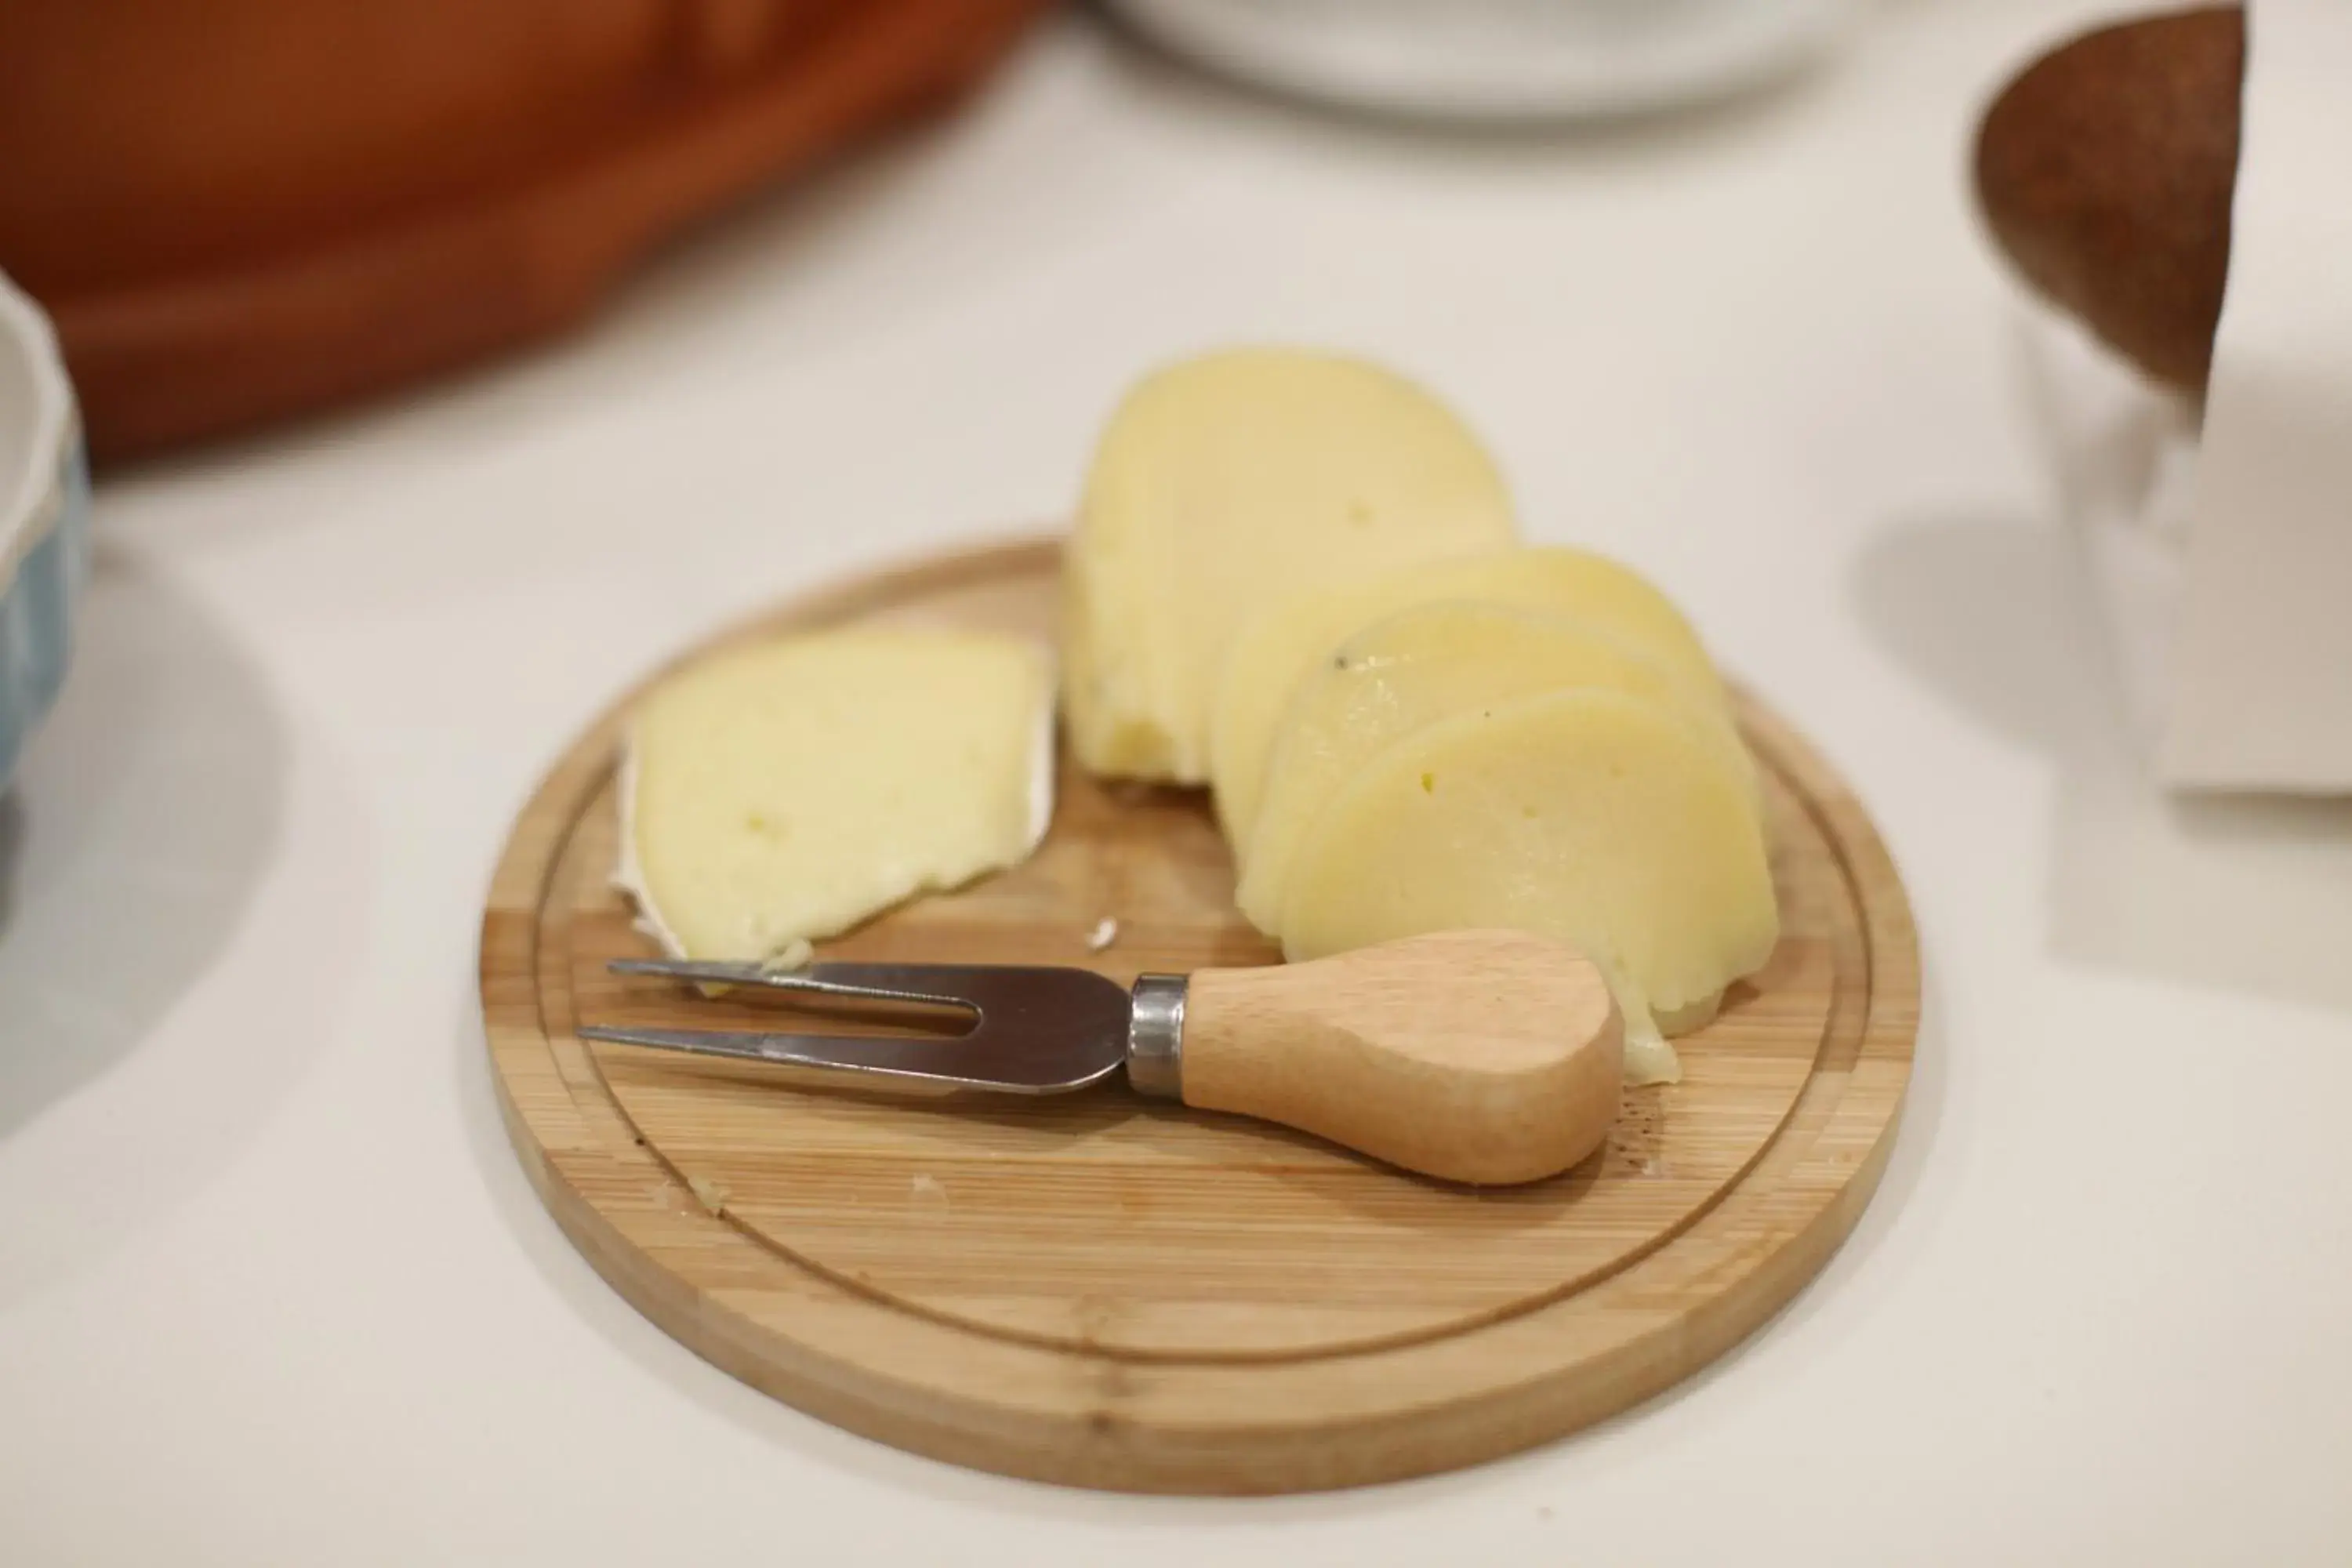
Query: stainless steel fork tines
[1033,1029]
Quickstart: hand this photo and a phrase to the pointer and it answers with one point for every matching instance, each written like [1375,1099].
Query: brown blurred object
[242,210]
[2106,170]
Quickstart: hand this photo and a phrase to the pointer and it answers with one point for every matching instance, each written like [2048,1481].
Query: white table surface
[274,1291]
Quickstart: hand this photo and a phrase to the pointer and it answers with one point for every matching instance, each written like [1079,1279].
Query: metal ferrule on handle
[1155,1036]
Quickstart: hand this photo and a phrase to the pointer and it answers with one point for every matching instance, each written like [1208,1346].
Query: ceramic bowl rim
[24,496]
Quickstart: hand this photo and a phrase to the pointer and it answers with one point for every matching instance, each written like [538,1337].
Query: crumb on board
[1106,931]
[712,1194]
[928,1188]
[791,958]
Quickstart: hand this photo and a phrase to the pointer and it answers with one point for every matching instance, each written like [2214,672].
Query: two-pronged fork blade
[1031,1029]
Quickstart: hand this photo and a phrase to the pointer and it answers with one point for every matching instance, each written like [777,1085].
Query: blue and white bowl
[44,521]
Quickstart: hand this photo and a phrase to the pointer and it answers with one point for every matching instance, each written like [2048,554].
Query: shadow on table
[135,838]
[2242,893]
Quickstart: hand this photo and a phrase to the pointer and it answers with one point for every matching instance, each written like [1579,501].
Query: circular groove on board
[1102,1221]
[810,1241]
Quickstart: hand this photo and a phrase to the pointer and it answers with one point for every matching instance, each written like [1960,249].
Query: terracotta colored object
[245,210]
[2107,171]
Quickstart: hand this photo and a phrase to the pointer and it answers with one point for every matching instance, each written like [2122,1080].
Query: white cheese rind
[628,877]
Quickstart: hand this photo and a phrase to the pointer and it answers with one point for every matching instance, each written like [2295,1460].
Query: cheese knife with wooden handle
[1489,1058]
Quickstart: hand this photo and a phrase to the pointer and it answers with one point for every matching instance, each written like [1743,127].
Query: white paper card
[2262,665]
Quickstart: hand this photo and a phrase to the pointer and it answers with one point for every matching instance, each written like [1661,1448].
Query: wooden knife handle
[1487,1057]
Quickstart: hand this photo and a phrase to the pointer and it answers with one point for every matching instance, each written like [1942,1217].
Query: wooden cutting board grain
[1108,1292]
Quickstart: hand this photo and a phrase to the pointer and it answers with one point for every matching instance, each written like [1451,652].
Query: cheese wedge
[1285,641]
[1224,484]
[784,792]
[1428,663]
[1603,820]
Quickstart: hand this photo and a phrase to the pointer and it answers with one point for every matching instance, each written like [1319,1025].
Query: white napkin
[2263,668]
[2224,562]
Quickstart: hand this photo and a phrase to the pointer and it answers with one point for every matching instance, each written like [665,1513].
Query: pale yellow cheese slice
[1422,665]
[1600,819]
[785,791]
[1285,641]
[1228,482]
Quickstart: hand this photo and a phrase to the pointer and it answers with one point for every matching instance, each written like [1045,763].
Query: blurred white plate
[1499,59]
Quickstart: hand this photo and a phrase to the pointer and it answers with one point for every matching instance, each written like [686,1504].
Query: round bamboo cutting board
[1105,1291]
